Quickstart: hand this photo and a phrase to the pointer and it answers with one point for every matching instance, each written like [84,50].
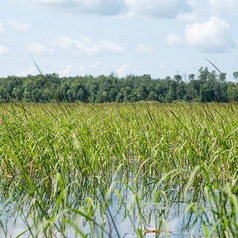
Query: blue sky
[81,37]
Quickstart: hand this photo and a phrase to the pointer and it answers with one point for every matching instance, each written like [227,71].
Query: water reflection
[128,218]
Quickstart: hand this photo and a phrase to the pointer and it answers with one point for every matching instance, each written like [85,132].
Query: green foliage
[64,166]
[208,87]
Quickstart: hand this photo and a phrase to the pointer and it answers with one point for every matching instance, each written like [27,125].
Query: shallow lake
[126,218]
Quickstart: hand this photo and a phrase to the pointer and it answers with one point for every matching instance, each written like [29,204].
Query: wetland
[142,169]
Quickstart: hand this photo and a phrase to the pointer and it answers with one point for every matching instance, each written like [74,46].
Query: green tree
[172,94]
[204,73]
[178,78]
[119,97]
[153,96]
[222,77]
[235,75]
[191,77]
[207,94]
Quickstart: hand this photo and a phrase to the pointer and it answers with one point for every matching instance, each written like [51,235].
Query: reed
[64,167]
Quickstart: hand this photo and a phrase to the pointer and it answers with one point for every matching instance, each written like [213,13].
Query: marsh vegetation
[119,170]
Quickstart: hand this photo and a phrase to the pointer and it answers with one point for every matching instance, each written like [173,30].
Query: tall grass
[63,167]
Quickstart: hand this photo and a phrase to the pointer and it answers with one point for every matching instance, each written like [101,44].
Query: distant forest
[207,86]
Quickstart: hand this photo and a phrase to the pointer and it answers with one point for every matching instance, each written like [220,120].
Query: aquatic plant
[66,168]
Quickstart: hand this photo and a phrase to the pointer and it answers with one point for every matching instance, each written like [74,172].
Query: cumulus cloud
[157,8]
[229,7]
[95,66]
[141,49]
[110,47]
[24,73]
[152,8]
[174,40]
[85,46]
[197,13]
[39,49]
[211,36]
[18,26]
[65,72]
[123,70]
[2,29]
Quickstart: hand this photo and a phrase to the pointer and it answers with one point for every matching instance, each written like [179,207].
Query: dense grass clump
[63,167]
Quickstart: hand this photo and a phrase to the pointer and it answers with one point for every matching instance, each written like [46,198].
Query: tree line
[206,86]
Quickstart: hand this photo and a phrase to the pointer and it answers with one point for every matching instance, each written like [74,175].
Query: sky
[97,37]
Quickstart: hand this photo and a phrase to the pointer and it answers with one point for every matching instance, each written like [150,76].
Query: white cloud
[110,47]
[141,49]
[32,70]
[229,7]
[85,46]
[2,29]
[97,65]
[82,67]
[66,71]
[152,8]
[102,7]
[123,70]
[39,49]
[62,42]
[17,26]
[211,36]
[88,69]
[3,50]
[197,14]
[157,8]
[174,40]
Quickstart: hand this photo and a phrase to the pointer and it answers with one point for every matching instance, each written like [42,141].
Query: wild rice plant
[64,168]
